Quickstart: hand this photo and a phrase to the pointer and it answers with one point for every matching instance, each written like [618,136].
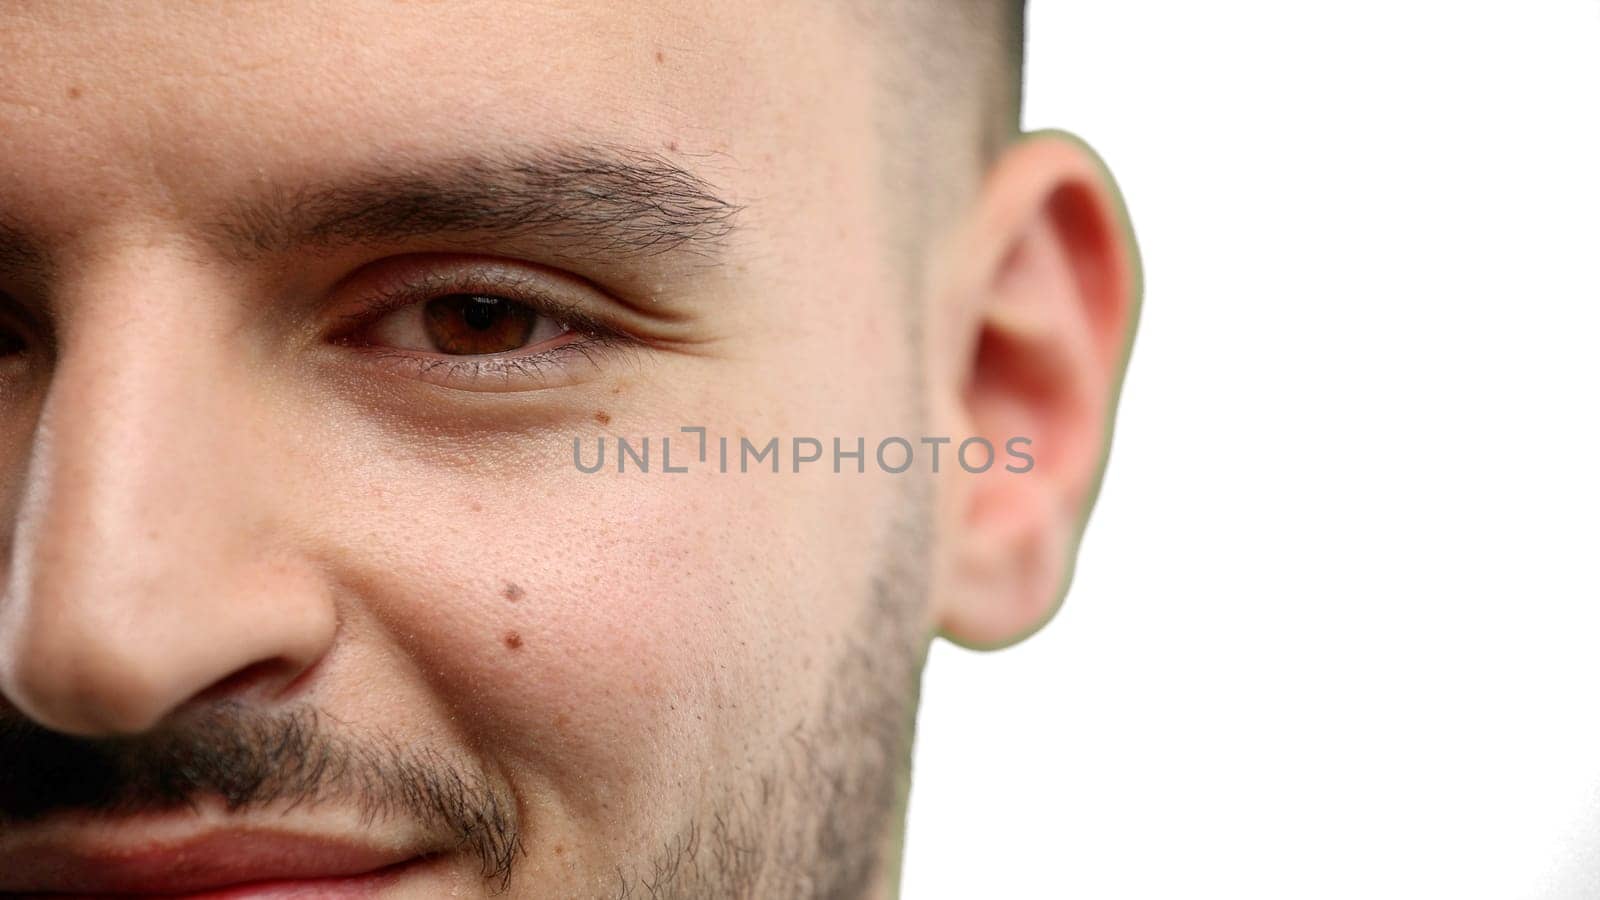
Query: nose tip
[96,687]
[108,666]
[136,588]
[94,669]
[86,694]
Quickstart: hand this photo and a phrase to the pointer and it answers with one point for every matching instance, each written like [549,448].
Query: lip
[230,864]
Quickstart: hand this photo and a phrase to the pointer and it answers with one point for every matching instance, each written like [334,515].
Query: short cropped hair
[948,101]
[952,63]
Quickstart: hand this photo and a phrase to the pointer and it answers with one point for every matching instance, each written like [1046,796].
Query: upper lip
[100,861]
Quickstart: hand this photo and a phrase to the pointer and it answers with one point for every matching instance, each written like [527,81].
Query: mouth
[236,864]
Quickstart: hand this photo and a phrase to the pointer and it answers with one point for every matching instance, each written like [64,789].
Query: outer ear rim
[1111,192]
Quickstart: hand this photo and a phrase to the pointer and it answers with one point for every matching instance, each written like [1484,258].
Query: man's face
[291,515]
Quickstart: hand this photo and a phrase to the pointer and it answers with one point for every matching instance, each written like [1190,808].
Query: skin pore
[273,563]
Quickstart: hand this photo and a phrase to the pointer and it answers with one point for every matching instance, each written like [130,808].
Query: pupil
[474,325]
[482,313]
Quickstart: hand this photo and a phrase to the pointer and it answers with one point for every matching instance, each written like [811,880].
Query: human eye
[480,326]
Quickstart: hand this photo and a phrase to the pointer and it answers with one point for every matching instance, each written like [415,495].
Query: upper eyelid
[398,292]
[403,292]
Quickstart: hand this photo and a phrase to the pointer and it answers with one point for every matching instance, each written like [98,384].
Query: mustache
[249,758]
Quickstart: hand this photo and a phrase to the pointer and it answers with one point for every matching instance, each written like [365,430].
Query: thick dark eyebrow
[589,201]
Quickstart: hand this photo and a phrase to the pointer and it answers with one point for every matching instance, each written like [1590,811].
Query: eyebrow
[592,201]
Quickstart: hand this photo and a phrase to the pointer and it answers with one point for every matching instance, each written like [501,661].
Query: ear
[1041,299]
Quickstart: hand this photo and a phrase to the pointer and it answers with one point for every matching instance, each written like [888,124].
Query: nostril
[267,679]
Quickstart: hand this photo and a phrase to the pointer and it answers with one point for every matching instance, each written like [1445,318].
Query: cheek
[611,641]
[602,637]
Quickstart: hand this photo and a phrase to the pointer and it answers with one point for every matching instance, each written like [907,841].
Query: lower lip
[345,887]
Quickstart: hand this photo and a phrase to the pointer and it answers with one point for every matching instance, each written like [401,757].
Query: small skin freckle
[603,417]
[660,57]
[513,640]
[74,92]
[513,592]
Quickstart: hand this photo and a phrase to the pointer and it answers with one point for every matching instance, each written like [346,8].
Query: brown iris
[470,324]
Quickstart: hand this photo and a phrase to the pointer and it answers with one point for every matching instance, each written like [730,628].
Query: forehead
[175,107]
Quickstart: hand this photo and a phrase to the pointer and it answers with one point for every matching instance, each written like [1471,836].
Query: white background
[1336,629]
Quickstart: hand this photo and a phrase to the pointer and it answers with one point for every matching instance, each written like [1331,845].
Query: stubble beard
[824,821]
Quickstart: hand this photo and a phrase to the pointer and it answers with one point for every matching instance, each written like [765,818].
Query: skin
[695,684]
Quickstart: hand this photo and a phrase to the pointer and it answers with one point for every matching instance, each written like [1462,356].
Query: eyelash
[505,369]
[591,335]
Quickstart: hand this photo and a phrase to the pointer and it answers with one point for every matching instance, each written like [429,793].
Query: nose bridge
[143,570]
[124,457]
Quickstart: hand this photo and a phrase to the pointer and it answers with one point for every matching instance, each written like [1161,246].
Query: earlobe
[1055,290]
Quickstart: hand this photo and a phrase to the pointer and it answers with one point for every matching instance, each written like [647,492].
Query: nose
[152,562]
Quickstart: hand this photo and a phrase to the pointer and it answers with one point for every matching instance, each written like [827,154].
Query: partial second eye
[466,324]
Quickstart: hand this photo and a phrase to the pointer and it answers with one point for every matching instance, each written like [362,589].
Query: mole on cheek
[74,92]
[513,592]
[603,417]
[513,640]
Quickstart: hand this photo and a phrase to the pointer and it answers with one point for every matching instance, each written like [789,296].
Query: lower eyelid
[522,371]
